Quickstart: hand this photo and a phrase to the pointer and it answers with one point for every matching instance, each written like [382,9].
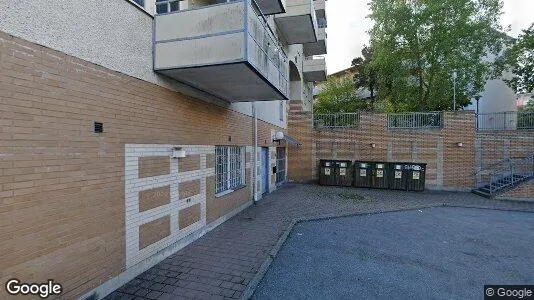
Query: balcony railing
[272,61]
[415,120]
[509,120]
[336,121]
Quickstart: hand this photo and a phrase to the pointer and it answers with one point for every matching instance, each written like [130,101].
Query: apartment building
[131,128]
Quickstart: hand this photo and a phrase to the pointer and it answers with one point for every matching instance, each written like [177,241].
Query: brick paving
[222,263]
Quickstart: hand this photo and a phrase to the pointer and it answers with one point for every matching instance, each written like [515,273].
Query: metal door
[265,170]
[280,165]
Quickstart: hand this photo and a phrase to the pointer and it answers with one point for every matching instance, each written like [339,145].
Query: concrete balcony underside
[319,47]
[271,7]
[314,69]
[298,24]
[224,50]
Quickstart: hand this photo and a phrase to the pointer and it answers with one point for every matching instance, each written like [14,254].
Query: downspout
[255,154]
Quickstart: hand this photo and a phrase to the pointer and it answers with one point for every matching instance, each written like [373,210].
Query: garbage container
[362,174]
[397,176]
[407,176]
[379,178]
[415,179]
[335,172]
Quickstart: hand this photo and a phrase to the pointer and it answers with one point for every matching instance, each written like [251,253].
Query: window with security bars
[165,6]
[230,168]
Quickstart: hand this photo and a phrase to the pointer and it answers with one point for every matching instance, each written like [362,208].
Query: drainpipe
[255,154]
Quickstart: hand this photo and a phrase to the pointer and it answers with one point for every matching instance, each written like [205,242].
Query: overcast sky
[348,26]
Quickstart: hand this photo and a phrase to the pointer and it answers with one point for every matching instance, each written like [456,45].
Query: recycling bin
[416,175]
[397,176]
[379,178]
[362,174]
[407,176]
[335,172]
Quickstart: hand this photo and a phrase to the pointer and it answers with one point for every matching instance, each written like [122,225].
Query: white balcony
[271,7]
[225,49]
[314,69]
[319,47]
[298,25]
[320,9]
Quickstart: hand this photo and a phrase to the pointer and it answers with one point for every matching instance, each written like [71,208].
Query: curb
[251,287]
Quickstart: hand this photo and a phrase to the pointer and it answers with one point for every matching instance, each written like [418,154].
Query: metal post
[454,75]
[255,153]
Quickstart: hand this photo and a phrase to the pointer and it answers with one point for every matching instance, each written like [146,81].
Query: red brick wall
[524,190]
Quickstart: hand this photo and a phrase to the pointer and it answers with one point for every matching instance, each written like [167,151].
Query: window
[140,2]
[281,110]
[165,6]
[230,168]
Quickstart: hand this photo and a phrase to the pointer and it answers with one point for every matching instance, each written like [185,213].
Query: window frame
[168,5]
[229,169]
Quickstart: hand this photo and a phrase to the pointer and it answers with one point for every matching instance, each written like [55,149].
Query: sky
[348,26]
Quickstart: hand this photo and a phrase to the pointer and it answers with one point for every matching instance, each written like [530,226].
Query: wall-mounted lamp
[279,136]
[178,152]
[460,144]
[373,145]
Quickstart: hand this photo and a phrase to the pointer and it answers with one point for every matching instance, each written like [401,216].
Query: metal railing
[336,121]
[273,52]
[509,120]
[415,120]
[505,173]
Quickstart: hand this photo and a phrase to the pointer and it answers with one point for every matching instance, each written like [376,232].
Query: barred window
[230,168]
[165,6]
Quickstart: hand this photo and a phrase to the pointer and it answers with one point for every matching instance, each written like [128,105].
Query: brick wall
[523,191]
[62,186]
[448,165]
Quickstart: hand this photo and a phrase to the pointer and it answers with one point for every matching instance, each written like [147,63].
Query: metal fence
[509,120]
[415,120]
[336,120]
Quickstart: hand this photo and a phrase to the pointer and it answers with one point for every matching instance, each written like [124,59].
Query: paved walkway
[224,262]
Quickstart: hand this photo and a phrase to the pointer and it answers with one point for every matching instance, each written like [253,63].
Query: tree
[338,95]
[366,76]
[519,59]
[418,43]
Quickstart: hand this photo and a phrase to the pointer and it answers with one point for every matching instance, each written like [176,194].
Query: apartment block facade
[131,128]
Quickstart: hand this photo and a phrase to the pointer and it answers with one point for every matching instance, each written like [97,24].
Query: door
[280,165]
[265,170]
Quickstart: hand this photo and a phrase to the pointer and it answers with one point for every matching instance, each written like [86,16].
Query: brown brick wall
[189,188]
[189,163]
[151,232]
[524,190]
[189,215]
[423,146]
[153,198]
[61,185]
[154,166]
[219,206]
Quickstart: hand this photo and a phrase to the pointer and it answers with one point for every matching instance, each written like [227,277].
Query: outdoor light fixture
[373,145]
[279,136]
[178,152]
[460,144]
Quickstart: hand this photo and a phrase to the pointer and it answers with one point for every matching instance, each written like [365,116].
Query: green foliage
[519,59]
[339,95]
[418,43]
[366,76]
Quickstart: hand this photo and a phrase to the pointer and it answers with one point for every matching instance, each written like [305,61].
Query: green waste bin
[362,174]
[379,175]
[397,176]
[416,175]
[335,172]
[407,176]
